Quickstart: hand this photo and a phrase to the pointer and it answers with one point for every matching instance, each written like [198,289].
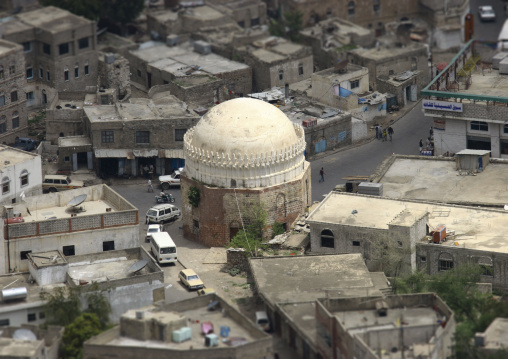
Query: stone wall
[337,133]
[218,215]
[115,75]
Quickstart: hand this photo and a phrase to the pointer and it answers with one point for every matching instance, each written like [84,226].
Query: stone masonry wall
[336,132]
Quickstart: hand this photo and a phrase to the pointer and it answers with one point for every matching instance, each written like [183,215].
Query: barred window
[327,239]
[142,137]
[179,133]
[479,126]
[108,137]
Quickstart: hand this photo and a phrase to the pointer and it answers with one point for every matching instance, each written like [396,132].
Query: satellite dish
[76,201]
[136,267]
[24,334]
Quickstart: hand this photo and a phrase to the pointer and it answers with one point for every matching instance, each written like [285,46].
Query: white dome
[244,143]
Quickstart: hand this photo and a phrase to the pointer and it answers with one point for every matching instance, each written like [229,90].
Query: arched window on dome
[327,239]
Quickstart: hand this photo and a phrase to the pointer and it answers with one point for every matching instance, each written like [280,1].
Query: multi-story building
[59,52]
[13,112]
[21,175]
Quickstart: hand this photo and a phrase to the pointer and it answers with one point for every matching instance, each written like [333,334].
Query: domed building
[241,153]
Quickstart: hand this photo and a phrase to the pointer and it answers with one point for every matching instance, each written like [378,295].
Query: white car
[486,13]
[152,228]
[171,180]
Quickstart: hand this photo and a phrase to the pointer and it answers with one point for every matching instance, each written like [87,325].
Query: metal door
[414,94]
[74,161]
[320,146]
[89,160]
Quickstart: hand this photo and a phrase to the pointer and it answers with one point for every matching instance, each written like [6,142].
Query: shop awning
[146,153]
[173,153]
[111,153]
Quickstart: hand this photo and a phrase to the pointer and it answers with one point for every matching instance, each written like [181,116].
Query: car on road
[190,279]
[171,180]
[486,13]
[152,228]
[56,183]
[162,213]
[25,144]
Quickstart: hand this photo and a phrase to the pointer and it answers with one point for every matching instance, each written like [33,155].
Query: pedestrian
[322,175]
[431,132]
[377,132]
[380,133]
[384,135]
[390,132]
[150,187]
[421,145]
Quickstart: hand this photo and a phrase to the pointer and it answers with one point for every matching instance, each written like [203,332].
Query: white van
[162,213]
[502,39]
[163,248]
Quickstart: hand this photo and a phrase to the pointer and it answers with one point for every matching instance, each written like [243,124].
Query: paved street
[488,31]
[363,160]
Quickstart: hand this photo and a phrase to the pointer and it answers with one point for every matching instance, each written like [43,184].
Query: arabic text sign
[442,105]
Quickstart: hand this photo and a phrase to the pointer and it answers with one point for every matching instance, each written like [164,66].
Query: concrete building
[402,71]
[245,13]
[13,101]
[407,326]
[276,62]
[179,330]
[242,153]
[125,136]
[21,173]
[108,271]
[31,342]
[468,103]
[492,340]
[50,224]
[423,235]
[330,40]
[290,288]
[191,72]
[59,50]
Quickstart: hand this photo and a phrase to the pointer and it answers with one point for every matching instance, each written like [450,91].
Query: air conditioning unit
[309,122]
[211,340]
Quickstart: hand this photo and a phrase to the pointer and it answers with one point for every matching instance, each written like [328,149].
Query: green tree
[254,219]
[91,9]
[98,304]
[83,328]
[62,306]
[288,26]
[124,11]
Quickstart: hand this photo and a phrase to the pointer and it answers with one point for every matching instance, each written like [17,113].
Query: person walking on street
[384,135]
[377,132]
[390,132]
[322,175]
[150,187]
[380,132]
[421,145]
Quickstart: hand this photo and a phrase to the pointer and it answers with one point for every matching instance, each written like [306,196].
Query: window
[63,48]
[1,72]
[68,250]
[300,69]
[376,6]
[66,74]
[32,317]
[356,243]
[108,246]
[3,124]
[41,72]
[479,126]
[42,315]
[487,270]
[327,239]
[195,224]
[241,23]
[179,133]
[27,46]
[4,322]
[390,72]
[12,69]
[47,75]
[505,129]
[254,22]
[423,259]
[46,49]
[354,84]
[2,100]
[351,8]
[14,96]
[15,119]
[23,254]
[87,69]
[24,178]
[108,137]
[281,75]
[142,137]
[83,43]
[445,264]
[67,158]
[30,95]
[6,184]
[29,72]
[44,97]
[76,71]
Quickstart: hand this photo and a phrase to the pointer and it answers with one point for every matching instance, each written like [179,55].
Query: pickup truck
[171,180]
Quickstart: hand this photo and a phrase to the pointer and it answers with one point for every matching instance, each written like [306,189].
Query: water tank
[14,293]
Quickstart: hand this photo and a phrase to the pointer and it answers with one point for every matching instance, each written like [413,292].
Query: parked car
[171,180]
[486,13]
[55,183]
[262,321]
[25,144]
[162,213]
[190,279]
[152,228]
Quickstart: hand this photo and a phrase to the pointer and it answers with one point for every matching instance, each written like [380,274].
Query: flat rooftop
[439,181]
[103,270]
[386,54]
[13,156]
[495,334]
[53,19]
[475,228]
[74,141]
[12,348]
[7,46]
[486,82]
[307,278]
